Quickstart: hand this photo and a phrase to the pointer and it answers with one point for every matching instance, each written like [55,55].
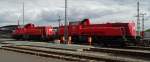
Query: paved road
[10,56]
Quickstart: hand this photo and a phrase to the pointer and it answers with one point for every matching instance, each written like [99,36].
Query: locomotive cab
[30,25]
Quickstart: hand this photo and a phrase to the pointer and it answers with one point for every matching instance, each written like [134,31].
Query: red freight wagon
[29,31]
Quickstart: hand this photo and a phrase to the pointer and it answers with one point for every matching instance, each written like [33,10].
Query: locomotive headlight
[133,28]
[49,29]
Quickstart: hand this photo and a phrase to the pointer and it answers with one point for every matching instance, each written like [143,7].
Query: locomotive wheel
[75,39]
[43,37]
[25,37]
[17,37]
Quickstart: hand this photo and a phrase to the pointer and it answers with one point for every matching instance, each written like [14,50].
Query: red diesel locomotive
[31,32]
[104,34]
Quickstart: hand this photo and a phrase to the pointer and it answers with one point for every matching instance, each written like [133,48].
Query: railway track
[44,53]
[92,54]
[137,48]
[71,55]
[130,51]
[140,52]
[129,47]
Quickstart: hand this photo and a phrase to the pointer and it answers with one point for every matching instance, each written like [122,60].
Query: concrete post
[90,40]
[69,40]
[62,38]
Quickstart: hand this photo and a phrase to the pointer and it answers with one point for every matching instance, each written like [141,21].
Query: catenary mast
[138,20]
[66,29]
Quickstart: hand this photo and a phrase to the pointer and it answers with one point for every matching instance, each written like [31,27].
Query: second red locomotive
[105,34]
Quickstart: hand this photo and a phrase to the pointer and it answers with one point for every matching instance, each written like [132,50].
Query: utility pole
[138,19]
[59,20]
[18,23]
[143,19]
[66,29]
[23,13]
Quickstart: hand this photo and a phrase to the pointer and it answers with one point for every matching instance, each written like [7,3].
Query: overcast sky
[46,12]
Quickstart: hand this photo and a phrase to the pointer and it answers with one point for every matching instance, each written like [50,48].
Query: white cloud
[45,12]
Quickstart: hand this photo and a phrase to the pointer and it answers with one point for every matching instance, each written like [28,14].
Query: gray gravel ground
[9,56]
